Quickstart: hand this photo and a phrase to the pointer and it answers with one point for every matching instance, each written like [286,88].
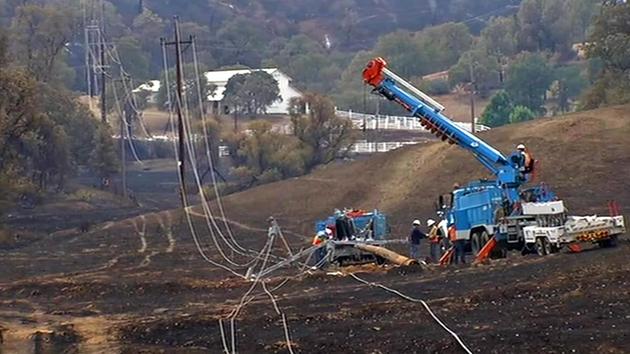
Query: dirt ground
[139,284]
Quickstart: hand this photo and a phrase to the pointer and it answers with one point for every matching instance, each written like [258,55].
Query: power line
[426,306]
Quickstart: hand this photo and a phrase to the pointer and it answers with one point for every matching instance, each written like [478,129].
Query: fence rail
[386,122]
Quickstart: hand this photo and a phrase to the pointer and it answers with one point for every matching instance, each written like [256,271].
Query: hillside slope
[584,158]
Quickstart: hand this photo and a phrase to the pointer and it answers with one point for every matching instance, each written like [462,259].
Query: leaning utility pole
[103,83]
[123,157]
[179,103]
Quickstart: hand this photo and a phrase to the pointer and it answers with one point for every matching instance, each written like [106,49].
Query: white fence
[364,147]
[385,122]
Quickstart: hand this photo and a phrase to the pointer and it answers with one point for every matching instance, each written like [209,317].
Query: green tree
[499,37]
[569,85]
[265,156]
[450,41]
[403,52]
[307,62]
[19,112]
[134,59]
[75,118]
[553,25]
[252,93]
[609,43]
[529,78]
[484,67]
[323,136]
[40,35]
[351,87]
[498,111]
[103,159]
[521,114]
[242,42]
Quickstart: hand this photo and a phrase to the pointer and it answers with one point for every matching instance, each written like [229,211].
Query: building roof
[222,76]
[151,86]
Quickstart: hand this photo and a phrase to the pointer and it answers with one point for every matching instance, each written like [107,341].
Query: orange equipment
[447,258]
[485,251]
[373,72]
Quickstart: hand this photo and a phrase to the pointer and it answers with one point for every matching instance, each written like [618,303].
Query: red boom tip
[373,72]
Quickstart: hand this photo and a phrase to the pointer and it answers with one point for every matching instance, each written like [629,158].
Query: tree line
[46,134]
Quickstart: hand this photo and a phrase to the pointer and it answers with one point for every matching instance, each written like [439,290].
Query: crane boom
[429,111]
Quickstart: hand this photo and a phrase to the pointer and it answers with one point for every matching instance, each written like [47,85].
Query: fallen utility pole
[179,103]
[387,254]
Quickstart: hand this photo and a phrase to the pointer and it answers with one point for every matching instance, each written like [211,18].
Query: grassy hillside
[584,158]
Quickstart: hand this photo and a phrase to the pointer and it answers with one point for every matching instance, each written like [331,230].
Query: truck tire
[611,242]
[475,243]
[528,248]
[542,246]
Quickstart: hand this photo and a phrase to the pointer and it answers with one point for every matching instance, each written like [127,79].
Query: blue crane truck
[501,210]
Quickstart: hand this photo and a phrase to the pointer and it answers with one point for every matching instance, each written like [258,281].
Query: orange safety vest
[317,240]
[433,236]
[452,234]
[529,162]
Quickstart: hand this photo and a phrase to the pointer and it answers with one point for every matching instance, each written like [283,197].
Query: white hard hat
[520,147]
[321,233]
[417,222]
[430,222]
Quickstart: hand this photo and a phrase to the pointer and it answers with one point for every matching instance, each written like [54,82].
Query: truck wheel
[542,246]
[611,242]
[528,248]
[475,243]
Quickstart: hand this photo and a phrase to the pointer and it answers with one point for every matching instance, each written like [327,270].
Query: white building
[220,78]
[151,88]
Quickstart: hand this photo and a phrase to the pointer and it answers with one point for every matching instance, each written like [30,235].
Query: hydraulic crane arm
[429,112]
[420,105]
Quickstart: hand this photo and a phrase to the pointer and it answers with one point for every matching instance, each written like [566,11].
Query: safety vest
[317,240]
[452,233]
[433,236]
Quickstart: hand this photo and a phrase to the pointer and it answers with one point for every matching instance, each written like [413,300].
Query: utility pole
[123,157]
[472,97]
[179,103]
[103,83]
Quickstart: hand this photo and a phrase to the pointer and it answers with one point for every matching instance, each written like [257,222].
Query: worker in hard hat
[274,228]
[459,245]
[319,240]
[526,161]
[435,239]
[415,238]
